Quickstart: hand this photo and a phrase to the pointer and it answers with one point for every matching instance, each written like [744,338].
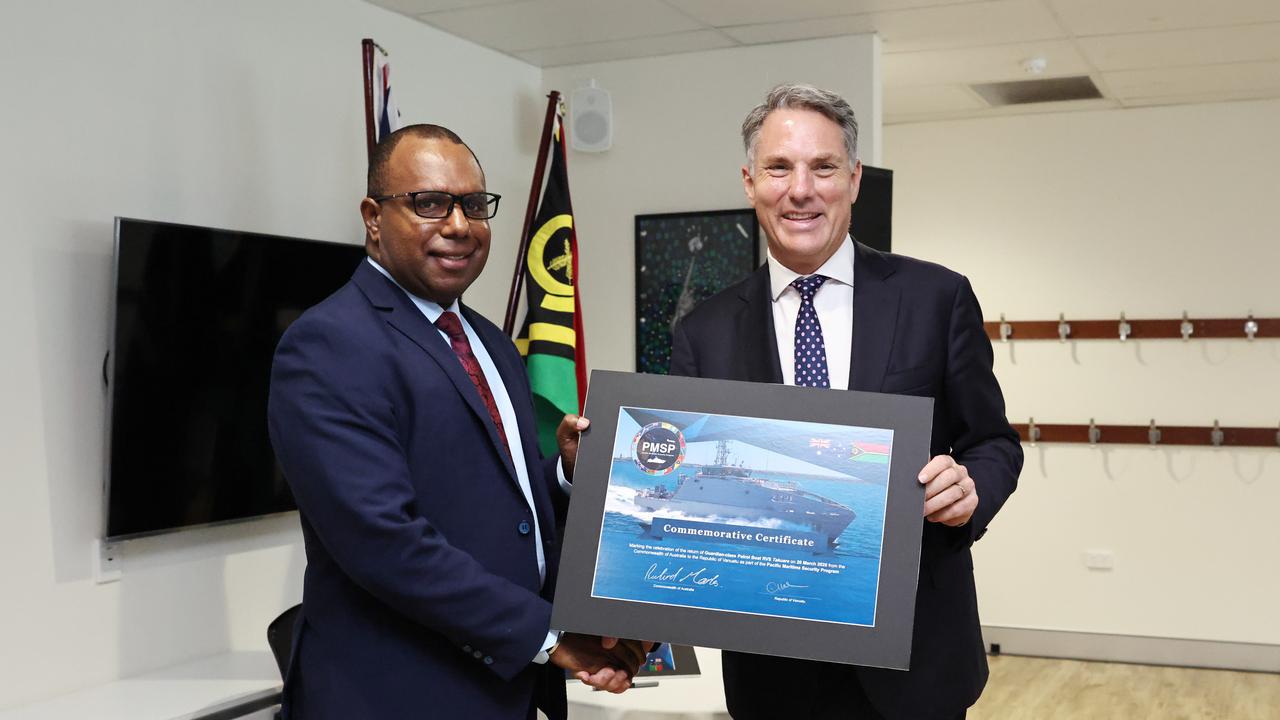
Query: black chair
[280,637]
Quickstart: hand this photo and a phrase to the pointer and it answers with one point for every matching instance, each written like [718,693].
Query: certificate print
[761,516]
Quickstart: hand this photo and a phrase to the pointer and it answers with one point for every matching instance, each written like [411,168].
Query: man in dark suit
[404,424]
[825,311]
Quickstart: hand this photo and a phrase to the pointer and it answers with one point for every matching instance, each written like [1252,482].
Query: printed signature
[693,577]
[774,588]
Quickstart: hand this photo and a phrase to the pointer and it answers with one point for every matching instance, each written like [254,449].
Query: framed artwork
[681,260]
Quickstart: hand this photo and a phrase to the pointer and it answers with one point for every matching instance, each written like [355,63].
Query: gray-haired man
[884,323]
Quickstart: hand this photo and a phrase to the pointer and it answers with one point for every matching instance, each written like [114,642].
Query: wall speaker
[590,119]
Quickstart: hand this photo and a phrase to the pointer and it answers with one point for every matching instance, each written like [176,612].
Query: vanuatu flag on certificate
[551,337]
[869,453]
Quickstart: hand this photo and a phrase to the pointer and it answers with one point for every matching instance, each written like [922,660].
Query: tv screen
[871,219]
[197,316]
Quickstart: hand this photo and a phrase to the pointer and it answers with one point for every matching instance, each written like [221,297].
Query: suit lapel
[875,318]
[759,348]
[405,317]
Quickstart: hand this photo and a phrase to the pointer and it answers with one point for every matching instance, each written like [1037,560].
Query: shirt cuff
[543,656]
[565,485]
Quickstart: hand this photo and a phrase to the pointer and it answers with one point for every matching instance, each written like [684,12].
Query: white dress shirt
[834,304]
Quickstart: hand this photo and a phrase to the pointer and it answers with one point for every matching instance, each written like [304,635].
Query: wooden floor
[1023,688]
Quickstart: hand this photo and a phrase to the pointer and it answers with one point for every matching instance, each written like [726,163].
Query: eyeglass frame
[454,200]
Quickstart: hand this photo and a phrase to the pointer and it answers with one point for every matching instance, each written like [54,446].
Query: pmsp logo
[658,448]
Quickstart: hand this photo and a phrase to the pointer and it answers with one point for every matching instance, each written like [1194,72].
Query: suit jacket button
[477,654]
[466,648]
[488,660]
[523,527]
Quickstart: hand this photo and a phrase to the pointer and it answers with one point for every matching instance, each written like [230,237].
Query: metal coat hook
[1250,326]
[1064,328]
[1005,329]
[1125,328]
[1033,432]
[1095,433]
[1215,436]
[1153,433]
[1186,328]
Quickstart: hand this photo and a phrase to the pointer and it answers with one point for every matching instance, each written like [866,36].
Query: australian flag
[386,116]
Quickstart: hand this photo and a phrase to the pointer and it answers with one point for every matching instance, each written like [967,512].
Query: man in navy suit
[404,424]
[825,311]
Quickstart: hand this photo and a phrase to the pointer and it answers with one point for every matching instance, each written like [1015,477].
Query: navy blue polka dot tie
[811,352]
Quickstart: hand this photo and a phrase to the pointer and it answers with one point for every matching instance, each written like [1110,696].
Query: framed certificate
[746,516]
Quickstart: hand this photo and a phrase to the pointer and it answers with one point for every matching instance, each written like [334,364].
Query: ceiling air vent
[1023,92]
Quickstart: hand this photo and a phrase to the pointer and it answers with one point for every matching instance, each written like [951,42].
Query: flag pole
[366,55]
[535,191]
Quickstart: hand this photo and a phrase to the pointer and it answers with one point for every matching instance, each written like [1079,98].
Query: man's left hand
[950,496]
[567,439]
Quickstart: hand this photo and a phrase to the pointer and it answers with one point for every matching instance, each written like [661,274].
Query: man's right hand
[603,663]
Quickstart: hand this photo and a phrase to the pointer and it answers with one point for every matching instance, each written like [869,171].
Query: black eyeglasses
[436,204]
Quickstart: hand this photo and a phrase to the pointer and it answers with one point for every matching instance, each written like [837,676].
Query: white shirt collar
[432,310]
[838,267]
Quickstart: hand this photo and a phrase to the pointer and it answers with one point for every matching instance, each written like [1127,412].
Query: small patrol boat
[728,490]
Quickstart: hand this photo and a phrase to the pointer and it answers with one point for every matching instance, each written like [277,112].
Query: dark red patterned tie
[452,326]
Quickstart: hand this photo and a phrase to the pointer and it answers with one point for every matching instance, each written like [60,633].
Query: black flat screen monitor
[197,316]
[871,219]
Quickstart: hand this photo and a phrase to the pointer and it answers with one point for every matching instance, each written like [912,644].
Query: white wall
[1150,212]
[676,147]
[239,114]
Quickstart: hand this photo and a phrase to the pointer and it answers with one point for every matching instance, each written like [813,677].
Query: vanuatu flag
[869,453]
[551,338]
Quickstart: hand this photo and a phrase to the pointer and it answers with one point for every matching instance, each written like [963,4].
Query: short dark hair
[376,183]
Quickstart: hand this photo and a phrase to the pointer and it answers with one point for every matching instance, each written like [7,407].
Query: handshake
[604,663]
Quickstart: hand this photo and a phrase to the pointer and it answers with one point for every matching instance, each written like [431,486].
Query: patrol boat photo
[727,490]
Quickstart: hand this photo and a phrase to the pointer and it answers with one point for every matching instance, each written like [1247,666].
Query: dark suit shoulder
[733,299]
[342,327]
[910,269]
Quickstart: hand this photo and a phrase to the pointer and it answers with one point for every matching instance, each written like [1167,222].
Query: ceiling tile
[1205,46]
[1262,77]
[922,99]
[969,25]
[983,64]
[629,48]
[722,13]
[418,7]
[556,23]
[988,112]
[1217,96]
[800,29]
[931,28]
[1110,17]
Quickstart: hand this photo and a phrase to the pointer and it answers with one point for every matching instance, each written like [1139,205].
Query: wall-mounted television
[196,318]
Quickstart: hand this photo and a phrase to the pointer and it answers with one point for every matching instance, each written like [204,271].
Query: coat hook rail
[1151,434]
[1122,328]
